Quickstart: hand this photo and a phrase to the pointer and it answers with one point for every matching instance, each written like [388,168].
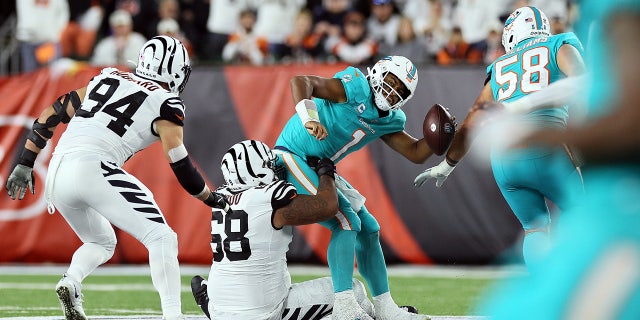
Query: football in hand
[438,128]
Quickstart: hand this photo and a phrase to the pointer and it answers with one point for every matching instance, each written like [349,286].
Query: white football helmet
[248,164]
[400,67]
[165,59]
[522,24]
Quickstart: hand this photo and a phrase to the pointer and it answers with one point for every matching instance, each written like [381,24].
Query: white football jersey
[117,115]
[249,277]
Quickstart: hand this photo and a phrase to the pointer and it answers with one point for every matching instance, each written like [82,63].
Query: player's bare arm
[461,144]
[303,88]
[171,136]
[570,61]
[306,209]
[416,151]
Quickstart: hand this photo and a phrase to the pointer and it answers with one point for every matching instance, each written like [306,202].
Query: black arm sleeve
[190,179]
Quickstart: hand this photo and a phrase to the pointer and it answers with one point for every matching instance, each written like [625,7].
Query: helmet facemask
[390,71]
[248,164]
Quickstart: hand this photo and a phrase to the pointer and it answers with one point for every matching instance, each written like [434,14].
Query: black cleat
[410,309]
[199,291]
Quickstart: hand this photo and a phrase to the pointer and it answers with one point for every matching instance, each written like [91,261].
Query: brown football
[438,129]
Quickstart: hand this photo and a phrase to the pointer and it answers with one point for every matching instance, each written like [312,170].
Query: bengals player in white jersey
[249,278]
[116,115]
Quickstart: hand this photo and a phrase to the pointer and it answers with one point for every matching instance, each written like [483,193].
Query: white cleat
[397,313]
[345,307]
[70,296]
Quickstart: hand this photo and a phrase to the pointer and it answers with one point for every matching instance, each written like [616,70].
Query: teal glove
[20,179]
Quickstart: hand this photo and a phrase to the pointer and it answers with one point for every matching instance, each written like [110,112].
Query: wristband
[27,158]
[307,111]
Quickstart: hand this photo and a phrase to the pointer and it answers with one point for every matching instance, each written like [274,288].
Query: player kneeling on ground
[250,266]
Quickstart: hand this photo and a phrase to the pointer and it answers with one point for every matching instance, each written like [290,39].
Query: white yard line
[473,272]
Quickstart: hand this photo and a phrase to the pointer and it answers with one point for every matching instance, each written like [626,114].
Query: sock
[535,247]
[86,259]
[341,258]
[371,264]
[165,273]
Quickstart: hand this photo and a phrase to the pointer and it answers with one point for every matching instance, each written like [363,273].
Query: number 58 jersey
[249,277]
[117,116]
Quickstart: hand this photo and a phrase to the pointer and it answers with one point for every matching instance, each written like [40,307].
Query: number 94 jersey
[249,271]
[117,115]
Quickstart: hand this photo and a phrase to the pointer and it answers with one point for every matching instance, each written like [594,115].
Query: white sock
[165,273]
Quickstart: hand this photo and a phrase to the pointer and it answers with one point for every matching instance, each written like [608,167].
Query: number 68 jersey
[117,115]
[249,277]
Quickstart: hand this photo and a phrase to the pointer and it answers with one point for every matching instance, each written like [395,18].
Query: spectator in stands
[171,28]
[167,9]
[122,46]
[353,46]
[329,18]
[143,13]
[495,49]
[383,23]
[222,22]
[39,28]
[244,45]
[435,27]
[408,45]
[275,20]
[302,45]
[458,51]
[79,36]
[472,17]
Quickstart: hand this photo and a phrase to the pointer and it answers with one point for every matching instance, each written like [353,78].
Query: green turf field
[33,295]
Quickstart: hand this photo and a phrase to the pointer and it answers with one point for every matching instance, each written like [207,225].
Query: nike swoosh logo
[179,117]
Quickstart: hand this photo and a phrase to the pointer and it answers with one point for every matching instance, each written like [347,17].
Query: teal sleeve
[355,85]
[568,38]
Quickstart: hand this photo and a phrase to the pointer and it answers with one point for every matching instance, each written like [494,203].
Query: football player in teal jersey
[347,112]
[593,270]
[526,175]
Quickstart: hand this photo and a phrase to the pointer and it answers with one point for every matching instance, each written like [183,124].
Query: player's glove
[322,166]
[218,201]
[20,179]
[439,172]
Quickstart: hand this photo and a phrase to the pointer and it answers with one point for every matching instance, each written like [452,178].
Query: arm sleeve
[282,195]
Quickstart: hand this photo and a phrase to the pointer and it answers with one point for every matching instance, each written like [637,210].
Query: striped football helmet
[248,164]
[522,24]
[165,59]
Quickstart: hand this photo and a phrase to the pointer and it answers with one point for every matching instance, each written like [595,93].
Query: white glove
[439,172]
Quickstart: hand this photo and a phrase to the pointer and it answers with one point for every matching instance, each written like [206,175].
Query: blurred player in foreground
[249,276]
[115,116]
[346,113]
[593,270]
[526,175]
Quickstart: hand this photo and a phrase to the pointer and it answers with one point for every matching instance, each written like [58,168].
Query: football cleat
[70,296]
[199,291]
[410,309]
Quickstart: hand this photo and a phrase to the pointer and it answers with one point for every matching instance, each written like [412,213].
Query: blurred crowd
[258,32]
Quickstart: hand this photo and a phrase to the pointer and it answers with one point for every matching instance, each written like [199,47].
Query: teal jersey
[530,67]
[351,125]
